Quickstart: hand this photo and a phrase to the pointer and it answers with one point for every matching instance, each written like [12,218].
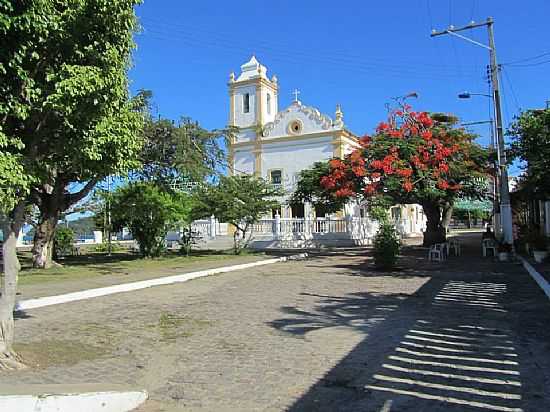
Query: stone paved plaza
[325,334]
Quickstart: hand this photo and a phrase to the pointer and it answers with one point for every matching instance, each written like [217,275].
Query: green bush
[104,247]
[386,247]
[63,241]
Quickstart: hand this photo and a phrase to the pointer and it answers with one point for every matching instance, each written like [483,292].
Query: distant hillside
[83,226]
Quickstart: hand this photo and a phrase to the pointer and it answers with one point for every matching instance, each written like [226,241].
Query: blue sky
[357,53]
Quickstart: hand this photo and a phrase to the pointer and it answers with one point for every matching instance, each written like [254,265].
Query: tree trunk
[53,200]
[447,216]
[42,250]
[435,231]
[10,227]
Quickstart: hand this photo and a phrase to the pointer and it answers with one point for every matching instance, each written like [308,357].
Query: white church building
[277,144]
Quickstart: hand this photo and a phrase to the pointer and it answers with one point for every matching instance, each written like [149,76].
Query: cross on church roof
[296,92]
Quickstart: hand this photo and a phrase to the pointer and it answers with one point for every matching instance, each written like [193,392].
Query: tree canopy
[240,200]
[149,212]
[414,157]
[180,153]
[65,115]
[531,134]
[64,105]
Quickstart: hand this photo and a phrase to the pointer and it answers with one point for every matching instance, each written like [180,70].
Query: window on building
[246,103]
[268,103]
[276,177]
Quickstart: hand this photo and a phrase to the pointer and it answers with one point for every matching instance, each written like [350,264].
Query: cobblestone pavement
[325,334]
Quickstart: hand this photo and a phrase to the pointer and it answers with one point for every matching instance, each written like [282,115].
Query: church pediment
[298,119]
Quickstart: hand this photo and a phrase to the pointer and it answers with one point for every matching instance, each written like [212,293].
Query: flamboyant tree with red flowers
[414,157]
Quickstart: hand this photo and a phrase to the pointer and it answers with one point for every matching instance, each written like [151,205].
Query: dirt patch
[45,353]
[172,326]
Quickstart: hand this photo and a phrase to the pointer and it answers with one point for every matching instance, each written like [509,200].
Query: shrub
[63,241]
[386,247]
[189,238]
[104,247]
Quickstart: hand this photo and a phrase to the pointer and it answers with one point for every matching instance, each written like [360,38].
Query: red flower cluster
[407,186]
[328,182]
[422,149]
[404,172]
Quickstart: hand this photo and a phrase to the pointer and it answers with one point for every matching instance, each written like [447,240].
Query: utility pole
[505,206]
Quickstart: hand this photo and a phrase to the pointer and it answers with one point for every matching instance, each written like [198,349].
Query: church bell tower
[253,99]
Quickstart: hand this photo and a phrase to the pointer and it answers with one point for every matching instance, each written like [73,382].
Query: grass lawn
[122,263]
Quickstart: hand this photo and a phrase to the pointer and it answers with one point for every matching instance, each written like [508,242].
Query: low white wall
[69,398]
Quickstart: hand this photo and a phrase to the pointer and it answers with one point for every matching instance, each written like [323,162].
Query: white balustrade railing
[354,227]
[202,227]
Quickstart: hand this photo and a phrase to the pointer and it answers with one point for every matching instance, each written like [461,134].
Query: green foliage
[386,247]
[240,200]
[65,113]
[189,238]
[466,214]
[531,134]
[180,153]
[104,247]
[63,241]
[149,212]
[309,189]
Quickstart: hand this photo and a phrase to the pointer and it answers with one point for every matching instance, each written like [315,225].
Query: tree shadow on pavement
[453,345]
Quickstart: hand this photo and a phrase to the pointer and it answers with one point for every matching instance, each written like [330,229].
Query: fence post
[277,226]
[212,227]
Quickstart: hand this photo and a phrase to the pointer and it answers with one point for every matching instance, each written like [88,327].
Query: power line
[529,65]
[527,59]
[403,72]
[512,89]
[210,40]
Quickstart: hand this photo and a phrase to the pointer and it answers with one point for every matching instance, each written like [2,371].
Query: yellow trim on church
[260,80]
[257,160]
[286,138]
[231,108]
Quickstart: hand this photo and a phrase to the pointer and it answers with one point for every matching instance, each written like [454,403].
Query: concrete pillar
[308,213]
[277,226]
[98,236]
[212,228]
[547,218]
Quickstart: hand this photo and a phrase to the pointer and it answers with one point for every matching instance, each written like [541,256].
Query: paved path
[327,334]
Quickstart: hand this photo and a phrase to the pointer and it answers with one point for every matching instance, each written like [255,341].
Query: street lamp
[468,95]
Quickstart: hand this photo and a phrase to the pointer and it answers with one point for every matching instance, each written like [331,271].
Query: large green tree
[181,153]
[79,124]
[531,134]
[65,117]
[414,157]
[308,189]
[149,212]
[240,200]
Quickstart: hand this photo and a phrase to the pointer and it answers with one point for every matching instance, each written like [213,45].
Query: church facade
[277,144]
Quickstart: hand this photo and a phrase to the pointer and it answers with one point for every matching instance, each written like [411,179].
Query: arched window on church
[268,103]
[246,103]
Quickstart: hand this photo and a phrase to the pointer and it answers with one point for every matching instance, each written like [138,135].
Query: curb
[544,285]
[69,401]
[128,287]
